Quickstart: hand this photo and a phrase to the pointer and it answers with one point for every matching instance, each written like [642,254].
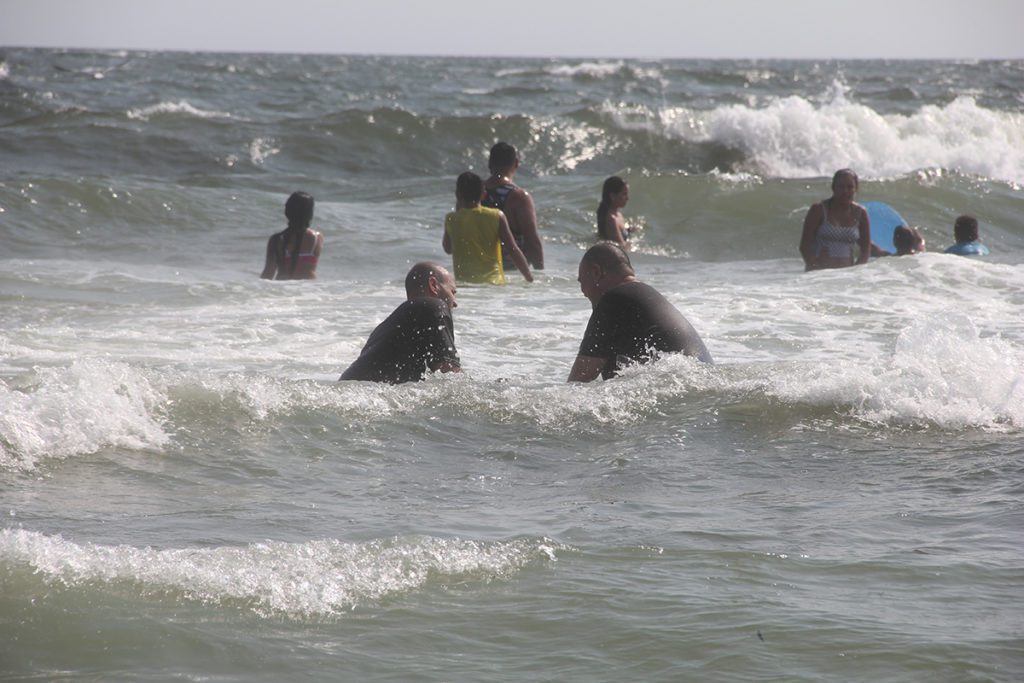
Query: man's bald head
[604,266]
[610,257]
[429,279]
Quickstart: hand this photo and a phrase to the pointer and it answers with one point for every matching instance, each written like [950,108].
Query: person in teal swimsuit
[965,230]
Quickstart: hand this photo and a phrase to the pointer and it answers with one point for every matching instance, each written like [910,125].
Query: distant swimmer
[502,193]
[611,225]
[631,322]
[968,242]
[837,229]
[907,240]
[293,253]
[474,236]
[418,337]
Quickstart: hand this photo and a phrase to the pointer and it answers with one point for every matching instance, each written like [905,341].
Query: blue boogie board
[884,220]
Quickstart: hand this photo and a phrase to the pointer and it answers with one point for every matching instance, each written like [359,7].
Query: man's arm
[445,366]
[446,241]
[439,353]
[524,216]
[517,255]
[586,368]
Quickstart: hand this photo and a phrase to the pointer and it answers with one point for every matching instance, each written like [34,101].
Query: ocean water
[188,494]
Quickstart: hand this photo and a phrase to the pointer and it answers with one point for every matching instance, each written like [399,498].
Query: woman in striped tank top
[837,231]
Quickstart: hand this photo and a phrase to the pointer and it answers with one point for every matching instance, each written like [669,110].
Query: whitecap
[797,137]
[319,578]
[180,107]
[942,373]
[63,412]
[260,149]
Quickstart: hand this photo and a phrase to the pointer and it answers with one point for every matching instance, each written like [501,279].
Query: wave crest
[316,578]
[793,137]
[63,412]
[179,108]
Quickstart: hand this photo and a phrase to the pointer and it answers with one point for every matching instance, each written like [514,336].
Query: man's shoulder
[632,296]
[632,290]
[412,314]
[518,193]
[412,309]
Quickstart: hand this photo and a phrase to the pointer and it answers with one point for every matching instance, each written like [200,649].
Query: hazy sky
[955,29]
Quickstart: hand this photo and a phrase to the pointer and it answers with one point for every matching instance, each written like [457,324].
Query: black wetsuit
[417,336]
[633,323]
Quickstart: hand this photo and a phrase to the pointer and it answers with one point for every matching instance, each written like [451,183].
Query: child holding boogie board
[908,240]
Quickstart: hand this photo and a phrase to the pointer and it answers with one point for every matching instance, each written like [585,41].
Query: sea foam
[180,107]
[77,410]
[942,373]
[796,137]
[315,578]
[587,70]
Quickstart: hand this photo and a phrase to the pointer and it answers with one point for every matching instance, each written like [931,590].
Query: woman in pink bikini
[292,254]
[837,228]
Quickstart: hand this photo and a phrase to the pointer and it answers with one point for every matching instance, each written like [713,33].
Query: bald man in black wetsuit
[418,337]
[631,322]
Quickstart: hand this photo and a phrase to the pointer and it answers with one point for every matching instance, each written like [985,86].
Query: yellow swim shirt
[476,247]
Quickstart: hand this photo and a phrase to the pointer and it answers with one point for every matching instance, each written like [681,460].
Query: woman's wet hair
[299,212]
[845,172]
[469,188]
[904,239]
[612,185]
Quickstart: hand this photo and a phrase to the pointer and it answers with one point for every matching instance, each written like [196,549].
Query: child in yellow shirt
[474,235]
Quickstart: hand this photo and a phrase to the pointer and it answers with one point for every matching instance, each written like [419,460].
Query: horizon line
[441,55]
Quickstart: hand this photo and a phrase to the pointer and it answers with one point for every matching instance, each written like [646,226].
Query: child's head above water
[965,229]
[469,188]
